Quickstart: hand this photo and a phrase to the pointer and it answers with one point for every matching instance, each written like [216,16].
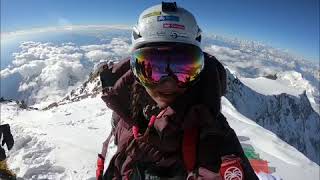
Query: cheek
[153,94]
[158,99]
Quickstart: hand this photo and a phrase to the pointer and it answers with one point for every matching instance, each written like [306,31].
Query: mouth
[167,91]
[167,94]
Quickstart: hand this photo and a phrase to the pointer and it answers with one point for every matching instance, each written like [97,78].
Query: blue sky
[285,24]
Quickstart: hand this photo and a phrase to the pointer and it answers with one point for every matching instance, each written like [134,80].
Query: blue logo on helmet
[168,18]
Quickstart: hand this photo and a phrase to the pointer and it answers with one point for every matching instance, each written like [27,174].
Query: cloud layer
[45,72]
[248,59]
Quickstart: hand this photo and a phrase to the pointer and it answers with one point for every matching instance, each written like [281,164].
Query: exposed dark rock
[271,76]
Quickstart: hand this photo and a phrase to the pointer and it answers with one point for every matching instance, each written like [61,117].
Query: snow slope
[289,163]
[276,106]
[63,142]
[60,143]
[267,86]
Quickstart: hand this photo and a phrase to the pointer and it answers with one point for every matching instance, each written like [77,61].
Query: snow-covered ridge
[290,117]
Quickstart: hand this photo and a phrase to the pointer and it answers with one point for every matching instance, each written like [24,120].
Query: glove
[107,77]
[7,136]
[100,167]
[2,154]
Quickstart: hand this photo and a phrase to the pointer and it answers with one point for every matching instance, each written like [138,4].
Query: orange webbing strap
[189,148]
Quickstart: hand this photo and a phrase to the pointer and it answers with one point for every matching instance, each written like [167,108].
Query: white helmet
[166,23]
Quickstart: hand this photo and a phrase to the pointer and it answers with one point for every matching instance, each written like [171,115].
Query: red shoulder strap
[189,148]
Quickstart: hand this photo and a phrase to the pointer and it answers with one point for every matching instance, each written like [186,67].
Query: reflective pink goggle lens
[183,63]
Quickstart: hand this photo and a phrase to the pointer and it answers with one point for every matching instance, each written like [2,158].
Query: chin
[163,99]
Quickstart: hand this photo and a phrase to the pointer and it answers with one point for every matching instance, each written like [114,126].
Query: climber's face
[167,69]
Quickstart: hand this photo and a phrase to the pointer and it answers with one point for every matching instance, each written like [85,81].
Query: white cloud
[117,47]
[249,59]
[94,47]
[31,69]
[97,55]
[65,28]
[46,72]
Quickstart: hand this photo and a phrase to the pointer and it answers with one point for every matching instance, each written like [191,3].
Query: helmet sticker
[175,35]
[157,34]
[161,33]
[175,26]
[156,13]
[168,18]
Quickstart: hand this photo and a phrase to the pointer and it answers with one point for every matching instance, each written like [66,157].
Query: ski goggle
[153,64]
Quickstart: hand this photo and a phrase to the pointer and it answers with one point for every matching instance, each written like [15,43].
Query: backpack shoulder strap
[189,148]
[190,143]
[213,62]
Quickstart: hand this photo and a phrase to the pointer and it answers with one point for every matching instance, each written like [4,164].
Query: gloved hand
[107,77]
[2,154]
[204,174]
[7,139]
[100,167]
[7,136]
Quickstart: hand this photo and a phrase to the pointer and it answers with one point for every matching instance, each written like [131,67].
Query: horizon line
[9,34]
[6,36]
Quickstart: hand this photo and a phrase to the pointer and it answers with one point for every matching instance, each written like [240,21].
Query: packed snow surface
[63,142]
[267,86]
